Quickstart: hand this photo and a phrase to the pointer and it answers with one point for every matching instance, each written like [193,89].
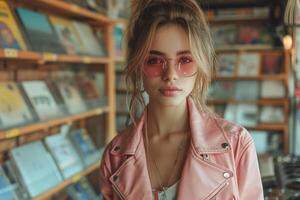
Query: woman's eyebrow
[155,52]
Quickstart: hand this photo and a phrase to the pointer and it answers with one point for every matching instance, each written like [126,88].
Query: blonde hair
[146,17]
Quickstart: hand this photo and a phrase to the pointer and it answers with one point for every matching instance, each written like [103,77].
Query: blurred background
[63,95]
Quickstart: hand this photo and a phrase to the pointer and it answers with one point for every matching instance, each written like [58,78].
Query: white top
[169,194]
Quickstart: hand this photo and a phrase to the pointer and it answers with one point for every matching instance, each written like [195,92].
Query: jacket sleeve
[248,174]
[105,185]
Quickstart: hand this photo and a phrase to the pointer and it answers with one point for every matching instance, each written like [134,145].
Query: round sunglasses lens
[153,66]
[187,69]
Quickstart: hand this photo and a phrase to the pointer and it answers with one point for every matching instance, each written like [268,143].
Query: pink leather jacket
[221,163]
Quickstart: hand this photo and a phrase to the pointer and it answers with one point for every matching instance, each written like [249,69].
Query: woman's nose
[170,72]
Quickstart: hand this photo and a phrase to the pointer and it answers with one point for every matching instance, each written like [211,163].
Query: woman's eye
[154,61]
[185,60]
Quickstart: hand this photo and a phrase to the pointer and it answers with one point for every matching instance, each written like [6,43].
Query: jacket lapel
[132,180]
[200,179]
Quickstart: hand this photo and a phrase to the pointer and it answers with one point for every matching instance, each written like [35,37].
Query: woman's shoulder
[233,131]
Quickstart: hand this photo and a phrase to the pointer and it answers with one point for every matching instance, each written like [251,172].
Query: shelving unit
[68,182]
[260,49]
[12,60]
[16,132]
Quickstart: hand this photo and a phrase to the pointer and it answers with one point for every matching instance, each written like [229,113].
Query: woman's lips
[169,91]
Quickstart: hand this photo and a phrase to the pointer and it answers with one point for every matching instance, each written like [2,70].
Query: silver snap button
[226,175]
[225,145]
[117,148]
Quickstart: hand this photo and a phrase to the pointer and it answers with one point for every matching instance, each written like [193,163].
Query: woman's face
[169,86]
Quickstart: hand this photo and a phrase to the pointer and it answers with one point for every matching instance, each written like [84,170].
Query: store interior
[63,94]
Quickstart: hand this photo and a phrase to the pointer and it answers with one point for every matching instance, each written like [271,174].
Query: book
[35,165]
[247,114]
[118,35]
[226,64]
[120,82]
[241,13]
[13,108]
[39,31]
[67,35]
[247,90]
[222,90]
[272,64]
[260,140]
[249,64]
[271,114]
[88,90]
[90,44]
[272,89]
[114,8]
[224,35]
[122,121]
[10,35]
[82,190]
[254,35]
[99,80]
[84,146]
[7,189]
[52,86]
[122,102]
[64,154]
[100,38]
[15,181]
[70,93]
[229,113]
[41,99]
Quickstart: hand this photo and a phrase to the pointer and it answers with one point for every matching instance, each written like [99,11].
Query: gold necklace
[151,159]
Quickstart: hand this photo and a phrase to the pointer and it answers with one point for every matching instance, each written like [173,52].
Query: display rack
[283,102]
[13,59]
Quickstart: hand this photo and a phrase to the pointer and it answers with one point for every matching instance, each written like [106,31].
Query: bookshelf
[235,16]
[15,62]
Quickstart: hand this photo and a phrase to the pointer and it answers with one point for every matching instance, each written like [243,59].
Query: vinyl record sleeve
[249,64]
[13,109]
[39,31]
[90,43]
[7,190]
[88,90]
[10,35]
[226,65]
[85,146]
[41,99]
[67,35]
[71,95]
[35,165]
[64,154]
[82,190]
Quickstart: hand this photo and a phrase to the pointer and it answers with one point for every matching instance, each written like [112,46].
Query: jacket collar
[207,135]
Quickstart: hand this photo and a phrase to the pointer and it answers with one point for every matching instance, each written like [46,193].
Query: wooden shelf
[244,47]
[121,90]
[119,59]
[57,58]
[122,112]
[269,127]
[259,101]
[279,77]
[14,54]
[66,9]
[234,4]
[68,182]
[18,55]
[235,18]
[51,123]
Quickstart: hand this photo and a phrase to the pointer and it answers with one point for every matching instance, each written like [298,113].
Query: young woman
[176,149]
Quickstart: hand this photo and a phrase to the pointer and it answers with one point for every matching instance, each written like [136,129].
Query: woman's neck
[162,121]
